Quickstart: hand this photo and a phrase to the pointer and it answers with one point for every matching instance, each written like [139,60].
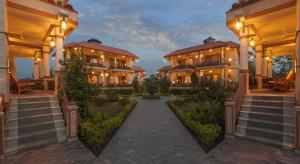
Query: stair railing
[1,125]
[69,109]
[233,106]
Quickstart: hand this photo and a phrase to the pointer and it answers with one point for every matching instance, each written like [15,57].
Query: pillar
[244,40]
[223,76]
[35,69]
[297,110]
[264,67]
[223,55]
[41,68]
[59,55]
[259,54]
[115,62]
[270,67]
[4,80]
[46,51]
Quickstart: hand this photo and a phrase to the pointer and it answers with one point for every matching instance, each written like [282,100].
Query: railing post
[72,121]
[297,127]
[229,118]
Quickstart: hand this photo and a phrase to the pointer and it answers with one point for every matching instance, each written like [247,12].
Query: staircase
[33,122]
[269,119]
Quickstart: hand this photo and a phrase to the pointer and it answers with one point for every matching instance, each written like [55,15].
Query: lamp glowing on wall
[64,23]
[230,59]
[238,24]
[267,58]
[52,42]
[252,42]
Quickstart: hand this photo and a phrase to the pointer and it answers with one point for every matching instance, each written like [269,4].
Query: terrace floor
[153,134]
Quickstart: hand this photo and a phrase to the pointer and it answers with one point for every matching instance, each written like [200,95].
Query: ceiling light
[64,24]
[52,42]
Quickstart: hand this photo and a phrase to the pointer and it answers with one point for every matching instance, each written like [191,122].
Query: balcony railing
[186,66]
[62,4]
[120,67]
[181,85]
[95,64]
[206,64]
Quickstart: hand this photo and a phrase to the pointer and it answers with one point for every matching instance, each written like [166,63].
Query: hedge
[96,135]
[207,135]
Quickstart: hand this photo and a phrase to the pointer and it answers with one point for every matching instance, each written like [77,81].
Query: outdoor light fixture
[53,58]
[238,24]
[201,55]
[52,43]
[210,71]
[210,50]
[137,60]
[102,56]
[229,70]
[252,42]
[267,58]
[92,51]
[201,74]
[106,74]
[64,24]
[38,59]
[179,56]
[227,48]
[230,59]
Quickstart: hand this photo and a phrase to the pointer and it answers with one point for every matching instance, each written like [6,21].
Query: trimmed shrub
[207,135]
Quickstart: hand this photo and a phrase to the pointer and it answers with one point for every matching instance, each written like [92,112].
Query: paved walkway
[152,134]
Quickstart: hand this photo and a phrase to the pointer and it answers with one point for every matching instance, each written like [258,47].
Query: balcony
[216,64]
[60,4]
[185,66]
[121,67]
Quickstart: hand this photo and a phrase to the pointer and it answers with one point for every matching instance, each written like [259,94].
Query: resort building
[215,59]
[140,74]
[30,29]
[111,67]
[272,115]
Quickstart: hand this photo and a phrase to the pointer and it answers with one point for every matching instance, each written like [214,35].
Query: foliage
[151,85]
[181,92]
[194,80]
[97,131]
[136,85]
[208,135]
[209,112]
[164,85]
[76,81]
[118,91]
[210,89]
[283,65]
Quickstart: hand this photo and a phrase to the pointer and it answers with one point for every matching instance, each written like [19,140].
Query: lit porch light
[38,59]
[210,50]
[106,74]
[201,74]
[64,23]
[92,51]
[53,58]
[267,58]
[230,59]
[197,57]
[179,56]
[201,56]
[227,48]
[123,57]
[52,43]
[137,60]
[238,24]
[252,42]
[229,70]
[210,71]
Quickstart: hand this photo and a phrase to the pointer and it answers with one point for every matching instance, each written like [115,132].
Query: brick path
[152,134]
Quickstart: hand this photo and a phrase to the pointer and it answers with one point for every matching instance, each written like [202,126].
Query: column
[244,74]
[222,55]
[41,68]
[223,76]
[12,64]
[259,54]
[270,67]
[46,51]
[297,110]
[264,66]
[59,55]
[4,80]
[115,63]
[35,69]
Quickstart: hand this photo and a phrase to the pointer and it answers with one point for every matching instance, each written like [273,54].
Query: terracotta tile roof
[204,47]
[164,68]
[100,47]
[138,69]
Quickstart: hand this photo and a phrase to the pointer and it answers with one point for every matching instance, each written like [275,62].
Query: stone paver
[152,134]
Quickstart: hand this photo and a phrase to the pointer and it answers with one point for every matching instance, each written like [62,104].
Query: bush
[97,131]
[181,91]
[209,112]
[151,85]
[164,85]
[207,135]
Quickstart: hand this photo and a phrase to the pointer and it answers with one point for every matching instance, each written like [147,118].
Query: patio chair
[21,86]
[284,84]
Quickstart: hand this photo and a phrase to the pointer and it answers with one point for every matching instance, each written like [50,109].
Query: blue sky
[149,28]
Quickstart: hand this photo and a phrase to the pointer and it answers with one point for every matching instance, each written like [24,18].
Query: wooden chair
[283,85]
[21,86]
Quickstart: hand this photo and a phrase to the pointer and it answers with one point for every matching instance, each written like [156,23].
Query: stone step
[31,112]
[268,109]
[41,104]
[36,99]
[272,98]
[283,104]
[279,136]
[269,125]
[280,118]
[36,139]
[27,129]
[34,119]
[284,145]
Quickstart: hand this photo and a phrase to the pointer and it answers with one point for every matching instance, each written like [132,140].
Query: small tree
[151,85]
[136,84]
[164,84]
[194,80]
[76,81]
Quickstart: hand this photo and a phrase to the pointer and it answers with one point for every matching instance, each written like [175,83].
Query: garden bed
[151,97]
[97,131]
[207,135]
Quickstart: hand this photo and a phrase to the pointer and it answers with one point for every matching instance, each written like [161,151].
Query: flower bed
[207,135]
[97,132]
